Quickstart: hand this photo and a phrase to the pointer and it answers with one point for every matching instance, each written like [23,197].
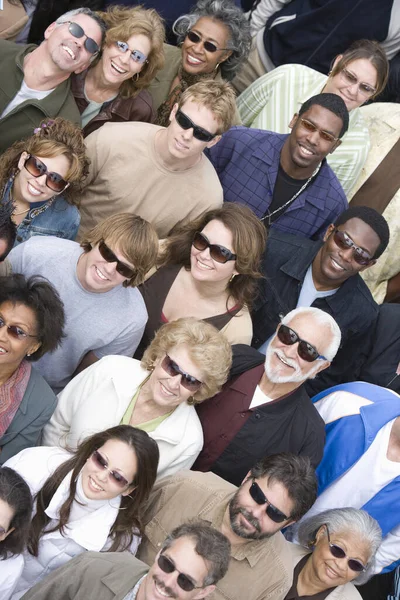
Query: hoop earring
[232,277]
[191,401]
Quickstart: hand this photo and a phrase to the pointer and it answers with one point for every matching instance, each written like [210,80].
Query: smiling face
[202,266]
[13,350]
[361,69]
[28,188]
[97,275]
[98,483]
[303,149]
[330,571]
[195,58]
[333,266]
[67,52]
[118,66]
[6,517]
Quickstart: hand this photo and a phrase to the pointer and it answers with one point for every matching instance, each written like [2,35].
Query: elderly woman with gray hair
[215,41]
[337,550]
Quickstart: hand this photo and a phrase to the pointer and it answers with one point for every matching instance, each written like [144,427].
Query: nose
[313,137]
[291,351]
[346,254]
[205,254]
[187,134]
[125,57]
[175,381]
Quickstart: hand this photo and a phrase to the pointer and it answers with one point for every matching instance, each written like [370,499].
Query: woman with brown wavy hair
[208,269]
[89,500]
[115,87]
[42,178]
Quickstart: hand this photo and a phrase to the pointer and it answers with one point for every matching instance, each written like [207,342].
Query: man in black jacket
[300,272]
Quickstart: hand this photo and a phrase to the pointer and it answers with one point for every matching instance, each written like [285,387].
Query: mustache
[162,587]
[250,518]
[289,361]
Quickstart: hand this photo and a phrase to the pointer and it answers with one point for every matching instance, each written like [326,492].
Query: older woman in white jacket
[187,362]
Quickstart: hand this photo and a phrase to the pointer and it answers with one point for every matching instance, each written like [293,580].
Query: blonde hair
[134,237]
[218,97]
[124,22]
[207,348]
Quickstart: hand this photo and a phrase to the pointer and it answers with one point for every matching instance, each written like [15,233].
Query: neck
[291,168]
[307,583]
[146,406]
[17,197]
[208,290]
[321,284]
[226,529]
[141,591]
[40,72]
[96,80]
[276,390]
[167,159]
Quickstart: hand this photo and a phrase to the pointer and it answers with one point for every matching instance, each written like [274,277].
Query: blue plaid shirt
[247,163]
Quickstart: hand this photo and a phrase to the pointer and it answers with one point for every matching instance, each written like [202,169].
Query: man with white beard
[266,409]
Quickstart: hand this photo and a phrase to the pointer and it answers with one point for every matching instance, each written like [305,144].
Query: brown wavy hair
[124,22]
[55,137]
[249,239]
[129,520]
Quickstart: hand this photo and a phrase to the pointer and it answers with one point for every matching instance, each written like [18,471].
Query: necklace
[292,199]
[21,212]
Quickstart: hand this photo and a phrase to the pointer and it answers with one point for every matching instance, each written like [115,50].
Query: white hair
[322,318]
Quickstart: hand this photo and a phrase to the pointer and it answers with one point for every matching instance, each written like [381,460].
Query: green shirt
[148,426]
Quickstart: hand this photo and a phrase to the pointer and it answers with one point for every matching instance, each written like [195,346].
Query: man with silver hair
[266,409]
[35,80]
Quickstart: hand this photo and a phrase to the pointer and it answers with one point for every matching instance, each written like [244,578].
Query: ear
[173,112]
[328,232]
[248,476]
[213,141]
[49,30]
[129,490]
[320,533]
[3,537]
[337,59]
[293,121]
[335,145]
[324,365]
[33,348]
[22,159]
[206,591]
[225,56]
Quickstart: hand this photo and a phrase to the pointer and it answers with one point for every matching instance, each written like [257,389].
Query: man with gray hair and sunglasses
[35,80]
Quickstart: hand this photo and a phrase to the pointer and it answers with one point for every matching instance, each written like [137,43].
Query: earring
[191,401]
[232,277]
[216,67]
[135,77]
[28,354]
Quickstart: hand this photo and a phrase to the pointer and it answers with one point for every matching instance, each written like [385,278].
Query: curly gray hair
[233,18]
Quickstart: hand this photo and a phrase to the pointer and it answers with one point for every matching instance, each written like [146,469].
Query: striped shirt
[272,100]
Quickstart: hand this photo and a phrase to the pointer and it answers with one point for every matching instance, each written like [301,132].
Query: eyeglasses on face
[218,253]
[184,581]
[208,46]
[344,241]
[325,135]
[115,476]
[109,256]
[136,55]
[365,89]
[15,331]
[338,552]
[37,168]
[306,351]
[198,132]
[259,497]
[173,369]
[77,31]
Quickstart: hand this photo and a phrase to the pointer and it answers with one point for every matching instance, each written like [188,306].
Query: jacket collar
[117,582]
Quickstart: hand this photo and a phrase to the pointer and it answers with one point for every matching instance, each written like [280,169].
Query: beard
[234,511]
[296,377]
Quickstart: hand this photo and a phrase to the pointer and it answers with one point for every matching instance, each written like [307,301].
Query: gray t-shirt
[105,323]
[309,292]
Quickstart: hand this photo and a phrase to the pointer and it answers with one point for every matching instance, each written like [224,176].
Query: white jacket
[10,572]
[98,398]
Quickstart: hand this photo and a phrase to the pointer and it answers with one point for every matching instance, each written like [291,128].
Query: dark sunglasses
[338,552]
[218,253]
[184,581]
[102,463]
[258,496]
[187,381]
[15,331]
[76,30]
[110,257]
[136,55]
[209,46]
[325,135]
[343,241]
[305,350]
[54,181]
[198,132]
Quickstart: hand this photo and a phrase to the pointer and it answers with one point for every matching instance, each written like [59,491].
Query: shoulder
[119,366]
[133,305]
[297,552]
[244,137]
[40,388]
[36,464]
[362,293]
[201,485]
[308,410]
[102,563]
[129,133]
[287,241]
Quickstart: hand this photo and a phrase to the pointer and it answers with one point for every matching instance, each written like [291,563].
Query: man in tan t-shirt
[159,173]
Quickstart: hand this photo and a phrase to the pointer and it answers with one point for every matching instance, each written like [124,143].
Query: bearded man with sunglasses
[266,409]
[35,80]
[324,275]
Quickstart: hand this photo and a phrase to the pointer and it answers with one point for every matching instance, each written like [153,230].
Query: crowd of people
[199,300]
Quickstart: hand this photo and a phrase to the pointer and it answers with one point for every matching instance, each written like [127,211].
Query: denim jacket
[60,218]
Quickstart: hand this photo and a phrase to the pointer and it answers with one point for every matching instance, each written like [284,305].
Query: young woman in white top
[89,500]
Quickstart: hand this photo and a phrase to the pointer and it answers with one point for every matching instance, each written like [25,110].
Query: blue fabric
[61,219]
[247,163]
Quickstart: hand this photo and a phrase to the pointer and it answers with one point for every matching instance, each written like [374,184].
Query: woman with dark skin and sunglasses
[92,499]
[208,269]
[187,362]
[337,550]
[114,86]
[215,40]
[42,177]
[31,324]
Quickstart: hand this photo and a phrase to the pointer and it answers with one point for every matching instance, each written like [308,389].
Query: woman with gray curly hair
[215,41]
[187,362]
[337,549]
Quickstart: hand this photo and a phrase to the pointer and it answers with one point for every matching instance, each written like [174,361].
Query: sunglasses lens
[183,120]
[309,126]
[187,381]
[91,46]
[185,583]
[274,514]
[307,352]
[165,564]
[256,494]
[168,567]
[210,47]
[76,30]
[55,182]
[99,460]
[110,257]
[138,56]
[287,336]
[344,242]
[355,566]
[101,463]
[34,167]
[199,241]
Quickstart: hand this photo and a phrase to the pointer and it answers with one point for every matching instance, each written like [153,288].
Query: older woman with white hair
[337,550]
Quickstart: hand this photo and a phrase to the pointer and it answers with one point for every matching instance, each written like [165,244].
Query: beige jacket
[259,570]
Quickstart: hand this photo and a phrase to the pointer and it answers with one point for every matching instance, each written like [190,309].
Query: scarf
[11,394]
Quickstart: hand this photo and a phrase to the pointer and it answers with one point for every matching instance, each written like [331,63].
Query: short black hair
[40,296]
[331,102]
[16,493]
[8,229]
[295,473]
[372,218]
